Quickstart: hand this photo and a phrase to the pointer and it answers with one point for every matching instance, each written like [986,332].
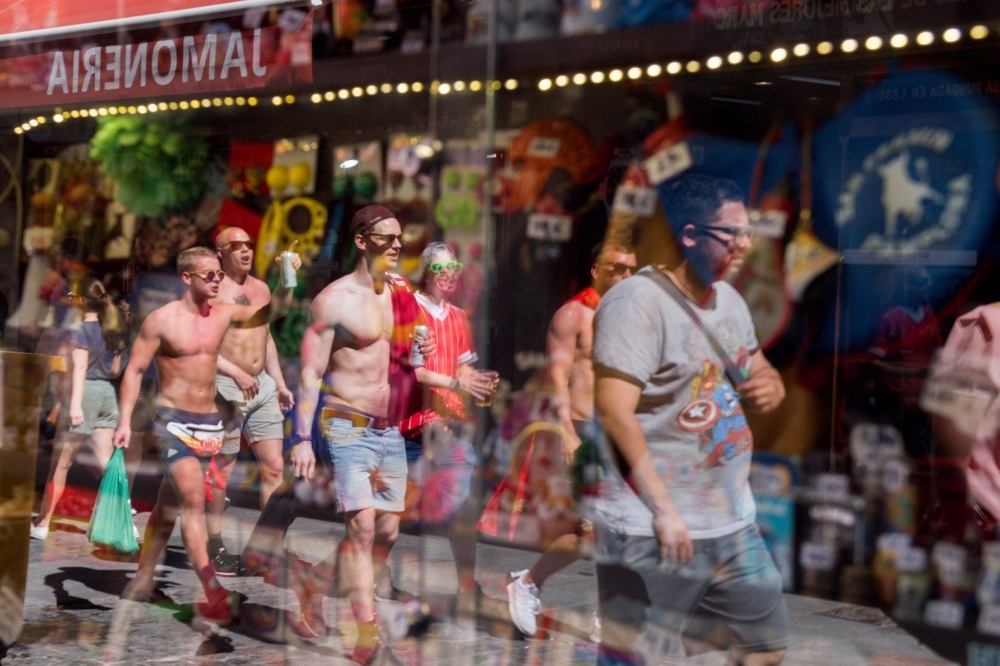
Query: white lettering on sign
[550,227]
[833,486]
[668,163]
[544,147]
[197,62]
[989,620]
[632,200]
[819,556]
[947,614]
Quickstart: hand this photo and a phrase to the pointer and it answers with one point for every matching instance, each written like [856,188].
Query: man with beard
[676,361]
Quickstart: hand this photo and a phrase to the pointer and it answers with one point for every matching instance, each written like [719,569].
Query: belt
[357,419]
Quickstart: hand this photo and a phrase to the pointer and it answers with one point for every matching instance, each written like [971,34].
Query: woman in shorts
[99,355]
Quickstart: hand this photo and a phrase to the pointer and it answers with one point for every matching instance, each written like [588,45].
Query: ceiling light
[289,99]
[674,68]
[444,88]
[715,62]
[113,110]
[475,86]
[654,70]
[173,106]
[545,84]
[873,43]
[755,56]
[562,80]
[801,50]
[276,100]
[163,106]
[597,77]
[58,118]
[316,98]
[240,101]
[616,75]
[510,84]
[348,164]
[402,88]
[849,45]
[734,58]
[357,91]
[372,90]
[122,109]
[423,151]
[343,93]
[579,79]
[824,48]
[386,88]
[899,41]
[495,85]
[142,110]
[133,109]
[252,101]
[979,32]
[205,103]
[952,35]
[33,123]
[18,130]
[634,72]
[459,86]
[926,38]
[329,96]
[779,54]
[417,86]
[693,66]
[153,108]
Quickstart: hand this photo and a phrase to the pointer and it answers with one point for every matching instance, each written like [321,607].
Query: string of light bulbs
[778,54]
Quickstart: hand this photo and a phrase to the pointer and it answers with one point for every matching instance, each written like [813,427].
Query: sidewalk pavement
[73,614]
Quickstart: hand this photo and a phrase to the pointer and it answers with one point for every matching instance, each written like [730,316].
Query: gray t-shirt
[698,436]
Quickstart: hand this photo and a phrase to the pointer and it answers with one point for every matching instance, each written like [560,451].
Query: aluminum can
[416,356]
[288,278]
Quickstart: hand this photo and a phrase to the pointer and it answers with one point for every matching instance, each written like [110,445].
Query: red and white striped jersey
[454,348]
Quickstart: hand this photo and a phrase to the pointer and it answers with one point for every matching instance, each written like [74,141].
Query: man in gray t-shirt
[677,362]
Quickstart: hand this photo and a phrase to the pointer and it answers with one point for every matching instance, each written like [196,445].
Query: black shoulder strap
[734,373]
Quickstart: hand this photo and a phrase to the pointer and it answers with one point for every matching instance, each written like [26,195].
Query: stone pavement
[73,614]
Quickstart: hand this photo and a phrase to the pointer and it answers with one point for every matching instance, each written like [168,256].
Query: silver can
[416,356]
[289,280]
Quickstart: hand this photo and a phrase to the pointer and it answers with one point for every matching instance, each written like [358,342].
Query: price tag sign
[668,163]
[833,486]
[894,542]
[819,556]
[911,559]
[768,223]
[895,474]
[550,227]
[544,147]
[639,201]
[989,620]
[947,614]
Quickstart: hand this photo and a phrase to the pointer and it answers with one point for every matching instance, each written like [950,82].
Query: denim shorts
[728,596]
[369,466]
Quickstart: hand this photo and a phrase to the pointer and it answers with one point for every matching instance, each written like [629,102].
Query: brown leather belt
[357,419]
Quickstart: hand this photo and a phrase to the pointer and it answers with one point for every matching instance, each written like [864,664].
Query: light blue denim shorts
[369,466]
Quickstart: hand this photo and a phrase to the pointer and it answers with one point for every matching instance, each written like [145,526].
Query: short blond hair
[188,259]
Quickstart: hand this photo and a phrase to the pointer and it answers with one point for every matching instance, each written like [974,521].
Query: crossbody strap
[734,373]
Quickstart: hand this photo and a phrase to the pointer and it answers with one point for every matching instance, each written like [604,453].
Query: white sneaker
[40,533]
[135,531]
[524,603]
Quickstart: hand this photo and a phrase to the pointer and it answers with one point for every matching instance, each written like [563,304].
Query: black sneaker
[224,563]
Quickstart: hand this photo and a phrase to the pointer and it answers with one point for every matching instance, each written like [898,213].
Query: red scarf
[402,377]
[588,297]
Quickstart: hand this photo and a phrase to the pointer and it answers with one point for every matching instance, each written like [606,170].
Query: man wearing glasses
[570,344]
[676,363]
[256,397]
[356,371]
[183,338]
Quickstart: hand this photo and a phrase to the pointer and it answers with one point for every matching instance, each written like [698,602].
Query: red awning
[44,19]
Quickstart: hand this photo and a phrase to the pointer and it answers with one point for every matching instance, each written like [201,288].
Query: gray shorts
[260,417]
[727,595]
[100,407]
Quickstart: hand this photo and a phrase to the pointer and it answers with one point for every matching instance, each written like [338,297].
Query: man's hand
[247,384]
[122,436]
[672,533]
[296,259]
[763,393]
[477,384]
[75,415]
[428,345]
[286,399]
[303,460]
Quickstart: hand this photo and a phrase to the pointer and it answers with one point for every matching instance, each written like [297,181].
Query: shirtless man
[183,338]
[347,351]
[256,398]
[570,343]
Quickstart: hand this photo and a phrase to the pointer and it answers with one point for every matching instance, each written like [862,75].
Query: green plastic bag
[111,522]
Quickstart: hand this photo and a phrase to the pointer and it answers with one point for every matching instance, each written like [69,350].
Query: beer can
[288,278]
[417,356]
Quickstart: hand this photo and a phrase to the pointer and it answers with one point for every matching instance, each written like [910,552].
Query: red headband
[368,217]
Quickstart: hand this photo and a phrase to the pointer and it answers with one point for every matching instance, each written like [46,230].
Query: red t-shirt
[454,348]
[402,377]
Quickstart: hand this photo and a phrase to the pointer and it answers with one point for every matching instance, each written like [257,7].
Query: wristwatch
[455,384]
[298,439]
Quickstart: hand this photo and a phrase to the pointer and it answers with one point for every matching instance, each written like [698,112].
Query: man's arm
[143,350]
[80,358]
[273,366]
[317,344]
[560,345]
[763,390]
[242,378]
[616,399]
[468,380]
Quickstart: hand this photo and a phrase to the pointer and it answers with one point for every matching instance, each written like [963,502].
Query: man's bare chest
[189,336]
[364,322]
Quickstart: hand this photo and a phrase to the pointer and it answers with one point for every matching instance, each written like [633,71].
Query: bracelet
[298,439]
[455,384]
